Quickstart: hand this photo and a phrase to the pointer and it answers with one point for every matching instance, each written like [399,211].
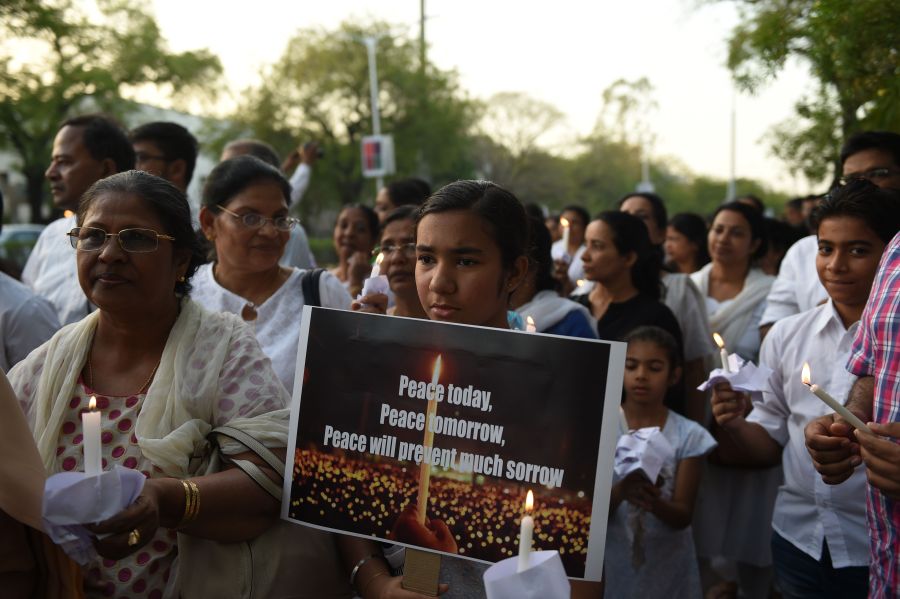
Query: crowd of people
[183,323]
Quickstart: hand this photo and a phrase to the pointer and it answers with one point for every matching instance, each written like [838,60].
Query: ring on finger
[134,537]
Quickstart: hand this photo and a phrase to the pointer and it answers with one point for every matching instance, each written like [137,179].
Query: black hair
[104,139]
[794,204]
[405,212]
[539,255]
[173,140]
[580,211]
[754,200]
[534,210]
[694,228]
[779,234]
[884,141]
[657,205]
[408,192]
[496,206]
[169,204]
[754,219]
[369,215]
[660,337]
[630,235]
[230,177]
[878,207]
[257,148]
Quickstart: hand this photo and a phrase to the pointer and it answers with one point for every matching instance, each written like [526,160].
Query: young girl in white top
[649,543]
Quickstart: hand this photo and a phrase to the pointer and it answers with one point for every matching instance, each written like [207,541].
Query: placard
[386,406]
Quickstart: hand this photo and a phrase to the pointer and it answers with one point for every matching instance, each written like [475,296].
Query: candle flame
[529,502]
[68,214]
[379,259]
[719,341]
[805,375]
[580,282]
[530,321]
[564,222]
[92,405]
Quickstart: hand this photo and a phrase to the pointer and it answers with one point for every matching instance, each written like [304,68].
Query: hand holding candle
[526,532]
[832,403]
[90,424]
[723,353]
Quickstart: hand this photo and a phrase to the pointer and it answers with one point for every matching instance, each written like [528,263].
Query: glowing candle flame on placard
[526,532]
[529,325]
[529,502]
[425,466]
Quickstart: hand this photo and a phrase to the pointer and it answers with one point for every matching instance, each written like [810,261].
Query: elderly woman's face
[243,248]
[117,280]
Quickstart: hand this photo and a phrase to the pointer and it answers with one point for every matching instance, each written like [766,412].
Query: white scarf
[732,321]
[547,308]
[176,413]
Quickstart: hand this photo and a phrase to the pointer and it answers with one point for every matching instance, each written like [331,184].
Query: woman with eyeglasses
[245,217]
[164,372]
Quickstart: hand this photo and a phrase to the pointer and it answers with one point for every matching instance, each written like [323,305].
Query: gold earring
[181,279]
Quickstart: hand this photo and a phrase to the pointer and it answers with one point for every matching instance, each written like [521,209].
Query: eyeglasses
[256,221]
[134,241]
[408,249]
[875,174]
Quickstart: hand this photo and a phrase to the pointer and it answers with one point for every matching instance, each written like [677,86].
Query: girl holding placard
[649,543]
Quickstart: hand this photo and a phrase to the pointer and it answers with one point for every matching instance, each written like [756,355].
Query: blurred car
[16,243]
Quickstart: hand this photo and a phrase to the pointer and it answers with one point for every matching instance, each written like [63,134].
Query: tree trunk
[34,191]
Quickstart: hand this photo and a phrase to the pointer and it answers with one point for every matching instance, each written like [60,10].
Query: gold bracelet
[191,503]
[362,591]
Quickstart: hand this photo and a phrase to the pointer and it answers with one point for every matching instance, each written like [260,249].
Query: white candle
[565,234]
[526,532]
[376,268]
[832,403]
[90,429]
[425,466]
[723,353]
[530,326]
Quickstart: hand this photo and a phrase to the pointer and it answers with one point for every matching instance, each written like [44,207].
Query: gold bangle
[362,591]
[191,503]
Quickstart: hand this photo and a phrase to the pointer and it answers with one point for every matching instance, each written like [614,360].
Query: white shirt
[297,252]
[807,510]
[277,324]
[26,321]
[299,182]
[797,287]
[689,307]
[52,272]
[576,268]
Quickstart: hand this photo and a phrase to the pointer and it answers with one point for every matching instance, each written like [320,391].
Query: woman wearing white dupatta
[735,505]
[164,372]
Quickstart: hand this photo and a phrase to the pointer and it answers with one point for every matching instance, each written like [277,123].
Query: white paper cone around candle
[526,532]
[832,403]
[545,578]
[530,326]
[425,466]
[90,425]
[723,353]
[564,222]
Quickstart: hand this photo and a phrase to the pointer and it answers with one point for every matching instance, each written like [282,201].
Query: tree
[319,90]
[78,61]
[852,50]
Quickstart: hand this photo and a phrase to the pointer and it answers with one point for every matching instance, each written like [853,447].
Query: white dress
[646,558]
[277,324]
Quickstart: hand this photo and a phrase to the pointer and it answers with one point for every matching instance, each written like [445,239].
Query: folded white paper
[645,450]
[545,578]
[745,376]
[377,284]
[72,499]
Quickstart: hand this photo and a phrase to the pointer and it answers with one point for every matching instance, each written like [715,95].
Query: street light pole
[370,42]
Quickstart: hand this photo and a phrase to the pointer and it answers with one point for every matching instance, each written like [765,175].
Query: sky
[565,52]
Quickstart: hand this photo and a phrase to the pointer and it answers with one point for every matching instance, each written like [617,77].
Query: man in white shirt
[86,149]
[872,155]
[820,541]
[26,321]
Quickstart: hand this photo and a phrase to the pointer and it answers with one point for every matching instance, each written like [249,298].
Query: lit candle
[376,268]
[525,533]
[425,466]
[564,222]
[529,325]
[723,353]
[832,402]
[579,283]
[90,425]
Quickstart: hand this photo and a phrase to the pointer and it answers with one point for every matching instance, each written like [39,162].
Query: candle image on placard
[526,532]
[564,222]
[90,424]
[530,326]
[376,268]
[425,466]
[832,403]
[723,353]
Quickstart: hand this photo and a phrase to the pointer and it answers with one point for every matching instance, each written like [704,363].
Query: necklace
[249,312]
[139,391]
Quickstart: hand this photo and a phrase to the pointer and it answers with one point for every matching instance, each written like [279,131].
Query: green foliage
[75,60]
[852,50]
[319,90]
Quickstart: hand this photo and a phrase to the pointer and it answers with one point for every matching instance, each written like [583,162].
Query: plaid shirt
[876,352]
